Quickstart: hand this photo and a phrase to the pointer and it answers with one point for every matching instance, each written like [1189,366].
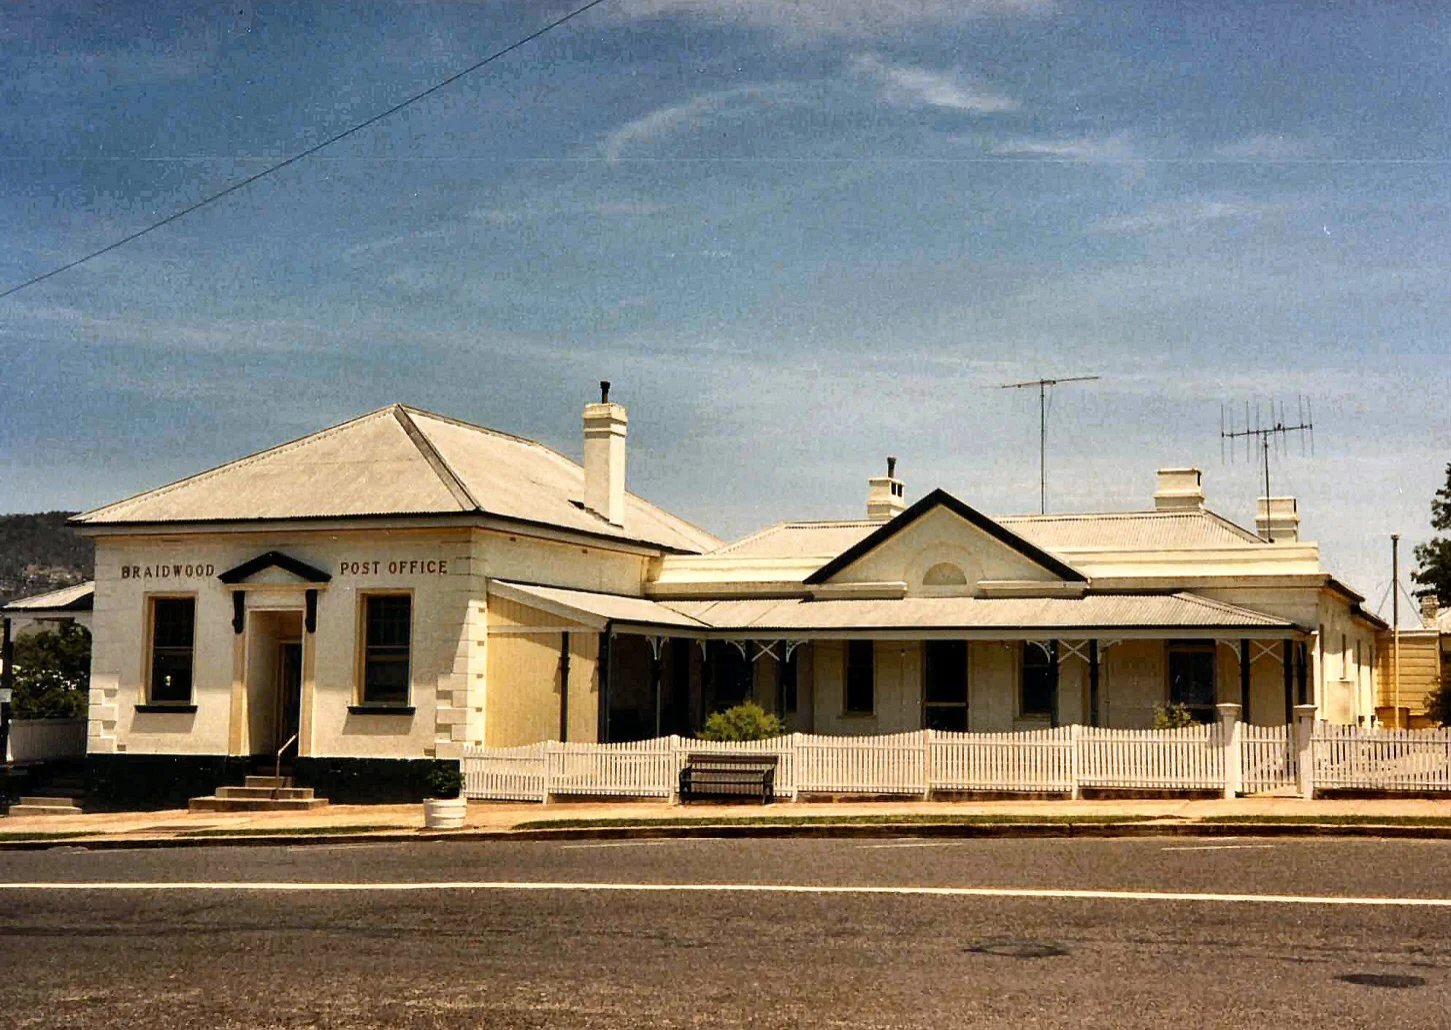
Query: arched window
[944,574]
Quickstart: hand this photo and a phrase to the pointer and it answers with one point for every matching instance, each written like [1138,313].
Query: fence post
[1075,790]
[927,764]
[795,767]
[1233,764]
[1304,735]
[548,769]
[675,765]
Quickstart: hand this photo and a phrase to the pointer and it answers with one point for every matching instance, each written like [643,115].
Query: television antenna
[1266,430]
[1042,385]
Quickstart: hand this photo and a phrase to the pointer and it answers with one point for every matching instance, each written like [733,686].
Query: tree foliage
[1438,704]
[52,673]
[747,721]
[1172,717]
[1434,556]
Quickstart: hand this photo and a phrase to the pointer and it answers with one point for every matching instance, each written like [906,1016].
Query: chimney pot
[1277,519]
[605,425]
[886,495]
[1180,489]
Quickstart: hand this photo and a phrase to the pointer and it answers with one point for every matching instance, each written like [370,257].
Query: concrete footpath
[1258,815]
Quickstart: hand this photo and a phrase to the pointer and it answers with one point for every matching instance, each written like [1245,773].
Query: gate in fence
[1269,760]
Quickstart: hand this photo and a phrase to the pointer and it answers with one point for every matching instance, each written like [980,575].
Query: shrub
[445,781]
[1438,704]
[746,721]
[1172,717]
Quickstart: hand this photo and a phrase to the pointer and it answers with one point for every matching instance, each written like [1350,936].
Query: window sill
[858,715]
[168,709]
[380,709]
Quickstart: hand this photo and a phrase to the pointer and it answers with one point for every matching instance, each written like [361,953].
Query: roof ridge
[551,452]
[436,461]
[242,462]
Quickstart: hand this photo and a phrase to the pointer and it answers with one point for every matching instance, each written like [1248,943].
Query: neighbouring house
[40,612]
[406,585]
[1413,664]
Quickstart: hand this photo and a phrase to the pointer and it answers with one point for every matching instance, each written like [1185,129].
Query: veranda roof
[995,617]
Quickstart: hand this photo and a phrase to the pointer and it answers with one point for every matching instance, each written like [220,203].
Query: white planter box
[445,813]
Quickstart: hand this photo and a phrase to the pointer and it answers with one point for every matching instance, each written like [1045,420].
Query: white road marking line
[1223,847]
[1045,893]
[916,844]
[618,844]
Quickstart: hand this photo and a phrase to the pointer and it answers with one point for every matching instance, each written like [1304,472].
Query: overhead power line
[336,137]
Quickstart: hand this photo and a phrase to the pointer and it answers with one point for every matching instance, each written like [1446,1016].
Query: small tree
[1172,717]
[52,673]
[1438,704]
[1434,556]
[746,721]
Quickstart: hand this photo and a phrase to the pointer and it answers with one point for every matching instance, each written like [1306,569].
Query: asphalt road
[490,956]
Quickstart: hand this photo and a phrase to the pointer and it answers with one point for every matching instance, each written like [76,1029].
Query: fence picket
[1058,760]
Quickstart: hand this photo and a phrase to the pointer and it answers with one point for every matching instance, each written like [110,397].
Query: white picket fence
[1349,757]
[1064,760]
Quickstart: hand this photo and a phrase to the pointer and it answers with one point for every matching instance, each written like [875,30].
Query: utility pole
[1396,623]
[1042,385]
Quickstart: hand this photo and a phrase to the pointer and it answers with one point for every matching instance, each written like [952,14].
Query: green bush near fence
[747,721]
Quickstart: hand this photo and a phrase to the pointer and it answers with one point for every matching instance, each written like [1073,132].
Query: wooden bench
[729,776]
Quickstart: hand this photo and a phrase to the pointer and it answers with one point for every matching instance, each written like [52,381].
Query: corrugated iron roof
[1169,612]
[593,608]
[400,461]
[1131,531]
[67,599]
[1092,611]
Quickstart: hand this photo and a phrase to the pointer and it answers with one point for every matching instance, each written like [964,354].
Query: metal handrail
[277,769]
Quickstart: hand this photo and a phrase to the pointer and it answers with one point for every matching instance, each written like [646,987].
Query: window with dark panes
[173,626]
[1191,678]
[789,670]
[388,636]
[1040,678]
[861,677]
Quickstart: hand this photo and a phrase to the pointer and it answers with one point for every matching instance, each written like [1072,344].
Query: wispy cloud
[675,119]
[854,18]
[1270,147]
[913,86]
[1118,148]
[1189,214]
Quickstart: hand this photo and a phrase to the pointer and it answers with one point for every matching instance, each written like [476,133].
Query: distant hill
[40,552]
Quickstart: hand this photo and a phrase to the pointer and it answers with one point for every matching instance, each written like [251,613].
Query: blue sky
[797,236]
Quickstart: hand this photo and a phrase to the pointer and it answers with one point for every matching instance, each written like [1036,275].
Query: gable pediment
[941,545]
[273,568]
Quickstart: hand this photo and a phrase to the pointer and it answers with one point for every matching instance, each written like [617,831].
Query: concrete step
[25,808]
[217,804]
[46,799]
[279,793]
[269,781]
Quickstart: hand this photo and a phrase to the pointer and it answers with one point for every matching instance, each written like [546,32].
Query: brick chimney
[886,495]
[1277,519]
[604,457]
[1179,490]
[1430,610]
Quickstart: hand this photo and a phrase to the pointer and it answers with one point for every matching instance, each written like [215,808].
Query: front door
[289,692]
[944,687]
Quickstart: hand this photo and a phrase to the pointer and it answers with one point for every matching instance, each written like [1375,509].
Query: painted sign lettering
[401,567]
[176,570]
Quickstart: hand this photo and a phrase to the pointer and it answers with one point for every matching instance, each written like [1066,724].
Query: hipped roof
[401,461]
